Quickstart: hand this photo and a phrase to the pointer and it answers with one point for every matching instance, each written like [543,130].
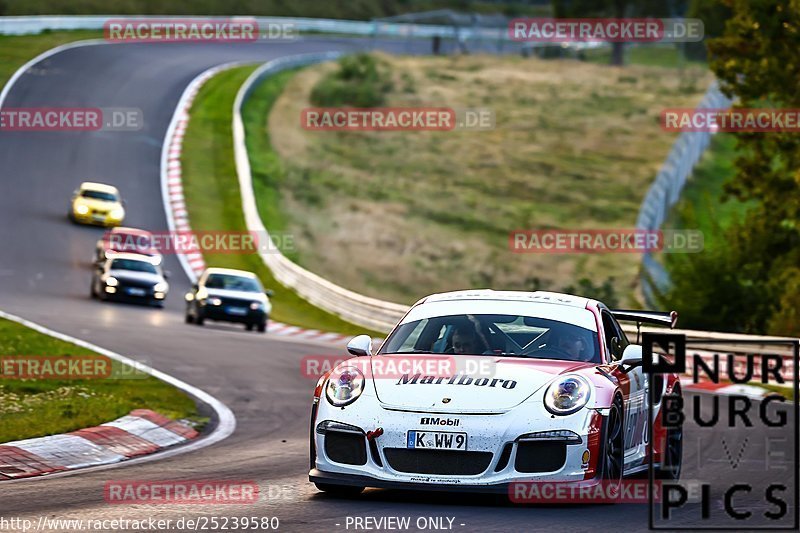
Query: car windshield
[507,335]
[232,283]
[134,265]
[99,195]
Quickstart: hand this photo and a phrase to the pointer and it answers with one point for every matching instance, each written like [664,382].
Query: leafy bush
[360,81]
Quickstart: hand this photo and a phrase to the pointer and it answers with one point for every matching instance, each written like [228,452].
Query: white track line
[41,57]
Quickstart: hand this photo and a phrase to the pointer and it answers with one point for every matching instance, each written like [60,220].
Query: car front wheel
[613,447]
[672,456]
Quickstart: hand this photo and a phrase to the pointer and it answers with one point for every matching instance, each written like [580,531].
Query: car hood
[239,295]
[480,384]
[130,275]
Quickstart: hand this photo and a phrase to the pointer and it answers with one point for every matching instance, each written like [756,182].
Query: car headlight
[344,386]
[111,281]
[81,209]
[161,286]
[567,395]
[117,213]
[255,306]
[214,301]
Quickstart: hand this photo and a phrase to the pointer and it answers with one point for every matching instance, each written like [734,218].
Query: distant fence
[480,39]
[36,24]
[666,190]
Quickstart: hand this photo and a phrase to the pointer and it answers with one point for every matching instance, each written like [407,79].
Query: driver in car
[571,343]
[466,341]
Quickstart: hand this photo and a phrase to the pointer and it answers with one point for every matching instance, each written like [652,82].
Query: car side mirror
[269,293]
[632,356]
[360,345]
[615,347]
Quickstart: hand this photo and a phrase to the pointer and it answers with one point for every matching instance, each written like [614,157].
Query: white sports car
[479,390]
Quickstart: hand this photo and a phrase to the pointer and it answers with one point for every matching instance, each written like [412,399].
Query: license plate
[133,291]
[436,440]
[98,218]
[238,311]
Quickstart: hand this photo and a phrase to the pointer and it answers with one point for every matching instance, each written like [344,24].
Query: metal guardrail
[351,306]
[665,191]
[36,24]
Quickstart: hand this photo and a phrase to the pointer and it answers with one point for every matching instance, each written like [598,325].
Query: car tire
[92,293]
[188,318]
[199,320]
[262,327]
[613,456]
[249,326]
[345,491]
[672,460]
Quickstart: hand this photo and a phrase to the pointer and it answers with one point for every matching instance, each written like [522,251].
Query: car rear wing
[659,318]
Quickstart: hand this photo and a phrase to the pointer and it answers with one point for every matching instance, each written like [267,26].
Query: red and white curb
[286,330]
[175,202]
[171,183]
[105,445]
[723,389]
[141,432]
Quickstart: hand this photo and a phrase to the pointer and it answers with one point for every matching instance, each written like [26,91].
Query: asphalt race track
[44,276]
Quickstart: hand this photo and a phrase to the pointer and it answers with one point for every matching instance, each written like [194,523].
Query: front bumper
[221,313]
[96,219]
[500,449]
[123,292]
[317,476]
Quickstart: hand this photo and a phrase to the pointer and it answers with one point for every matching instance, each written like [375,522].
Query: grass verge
[38,407]
[213,199]
[16,50]
[575,146]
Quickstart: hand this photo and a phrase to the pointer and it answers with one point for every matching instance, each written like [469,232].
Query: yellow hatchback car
[97,203]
